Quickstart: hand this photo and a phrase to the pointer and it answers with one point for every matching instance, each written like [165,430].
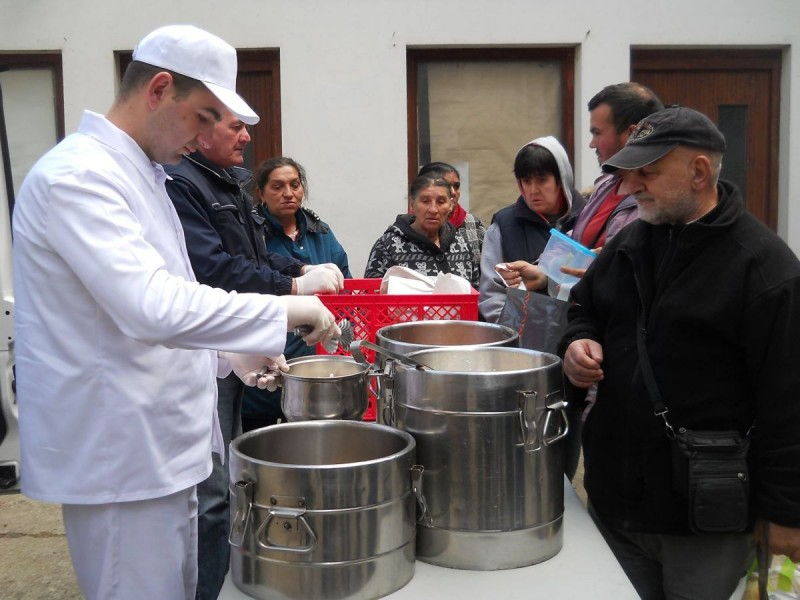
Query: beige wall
[343,72]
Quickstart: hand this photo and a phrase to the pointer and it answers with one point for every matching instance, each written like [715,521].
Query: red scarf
[594,234]
[457,217]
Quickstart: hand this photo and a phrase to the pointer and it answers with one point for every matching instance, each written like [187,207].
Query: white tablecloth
[585,568]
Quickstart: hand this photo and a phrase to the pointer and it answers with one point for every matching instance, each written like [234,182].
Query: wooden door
[259,82]
[740,91]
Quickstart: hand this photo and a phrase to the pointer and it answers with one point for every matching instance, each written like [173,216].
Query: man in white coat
[117,345]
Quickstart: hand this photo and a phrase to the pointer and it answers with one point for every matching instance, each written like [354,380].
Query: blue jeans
[213,513]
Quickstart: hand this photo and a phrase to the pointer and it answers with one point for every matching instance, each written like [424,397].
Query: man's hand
[309,310]
[258,371]
[582,363]
[519,270]
[782,540]
[319,279]
[579,273]
[573,271]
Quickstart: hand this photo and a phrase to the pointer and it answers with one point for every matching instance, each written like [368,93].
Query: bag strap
[659,408]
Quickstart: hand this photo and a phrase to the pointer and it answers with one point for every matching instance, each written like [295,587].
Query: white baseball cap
[195,53]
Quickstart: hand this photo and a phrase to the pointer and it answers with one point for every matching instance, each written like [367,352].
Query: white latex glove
[309,310]
[318,279]
[330,267]
[263,372]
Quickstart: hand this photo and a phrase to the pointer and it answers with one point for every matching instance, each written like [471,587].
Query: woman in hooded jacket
[423,239]
[520,231]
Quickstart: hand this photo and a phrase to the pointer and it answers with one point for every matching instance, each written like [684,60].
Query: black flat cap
[662,132]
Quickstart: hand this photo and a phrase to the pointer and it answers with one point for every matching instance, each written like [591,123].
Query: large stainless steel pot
[322,509]
[487,422]
[325,387]
[405,338]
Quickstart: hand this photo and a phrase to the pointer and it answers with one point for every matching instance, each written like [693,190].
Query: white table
[585,568]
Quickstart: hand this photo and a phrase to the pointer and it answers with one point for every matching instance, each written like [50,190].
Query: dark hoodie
[402,245]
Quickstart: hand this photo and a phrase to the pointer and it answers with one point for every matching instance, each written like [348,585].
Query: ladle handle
[355,350]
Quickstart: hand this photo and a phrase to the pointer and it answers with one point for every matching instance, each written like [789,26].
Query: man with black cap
[706,299]
[117,345]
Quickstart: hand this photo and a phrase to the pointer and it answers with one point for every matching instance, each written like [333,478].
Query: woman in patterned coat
[423,239]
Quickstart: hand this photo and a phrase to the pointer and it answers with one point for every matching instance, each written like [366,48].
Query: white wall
[343,71]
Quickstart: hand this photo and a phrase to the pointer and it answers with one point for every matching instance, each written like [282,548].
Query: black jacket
[224,233]
[722,302]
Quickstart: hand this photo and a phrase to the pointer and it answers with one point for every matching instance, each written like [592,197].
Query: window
[474,109]
[31,112]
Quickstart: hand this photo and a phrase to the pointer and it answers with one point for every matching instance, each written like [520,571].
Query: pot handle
[242,492]
[384,392]
[288,514]
[555,402]
[424,516]
[527,420]
[355,350]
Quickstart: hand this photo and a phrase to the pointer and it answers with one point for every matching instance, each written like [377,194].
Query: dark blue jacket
[224,232]
[315,244]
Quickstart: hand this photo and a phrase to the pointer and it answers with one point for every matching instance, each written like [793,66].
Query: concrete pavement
[34,560]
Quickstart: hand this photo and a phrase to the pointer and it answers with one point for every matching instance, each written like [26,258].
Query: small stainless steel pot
[324,387]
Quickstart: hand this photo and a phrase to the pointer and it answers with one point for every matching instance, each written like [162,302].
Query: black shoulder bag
[708,467]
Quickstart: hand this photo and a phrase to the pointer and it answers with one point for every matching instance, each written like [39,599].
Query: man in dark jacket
[225,242]
[719,297]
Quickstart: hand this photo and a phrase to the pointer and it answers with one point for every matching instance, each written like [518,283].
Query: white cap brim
[234,102]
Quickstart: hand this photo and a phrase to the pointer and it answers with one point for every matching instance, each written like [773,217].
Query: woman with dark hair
[520,231]
[471,225]
[293,230]
[423,239]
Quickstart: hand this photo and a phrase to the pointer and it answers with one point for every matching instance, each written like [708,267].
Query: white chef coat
[116,391]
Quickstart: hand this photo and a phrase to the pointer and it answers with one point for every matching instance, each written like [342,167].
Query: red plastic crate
[368,310]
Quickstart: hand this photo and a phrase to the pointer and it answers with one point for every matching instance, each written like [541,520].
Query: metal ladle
[355,350]
[343,341]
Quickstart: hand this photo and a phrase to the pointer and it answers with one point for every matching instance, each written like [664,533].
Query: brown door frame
[725,59]
[565,55]
[270,144]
